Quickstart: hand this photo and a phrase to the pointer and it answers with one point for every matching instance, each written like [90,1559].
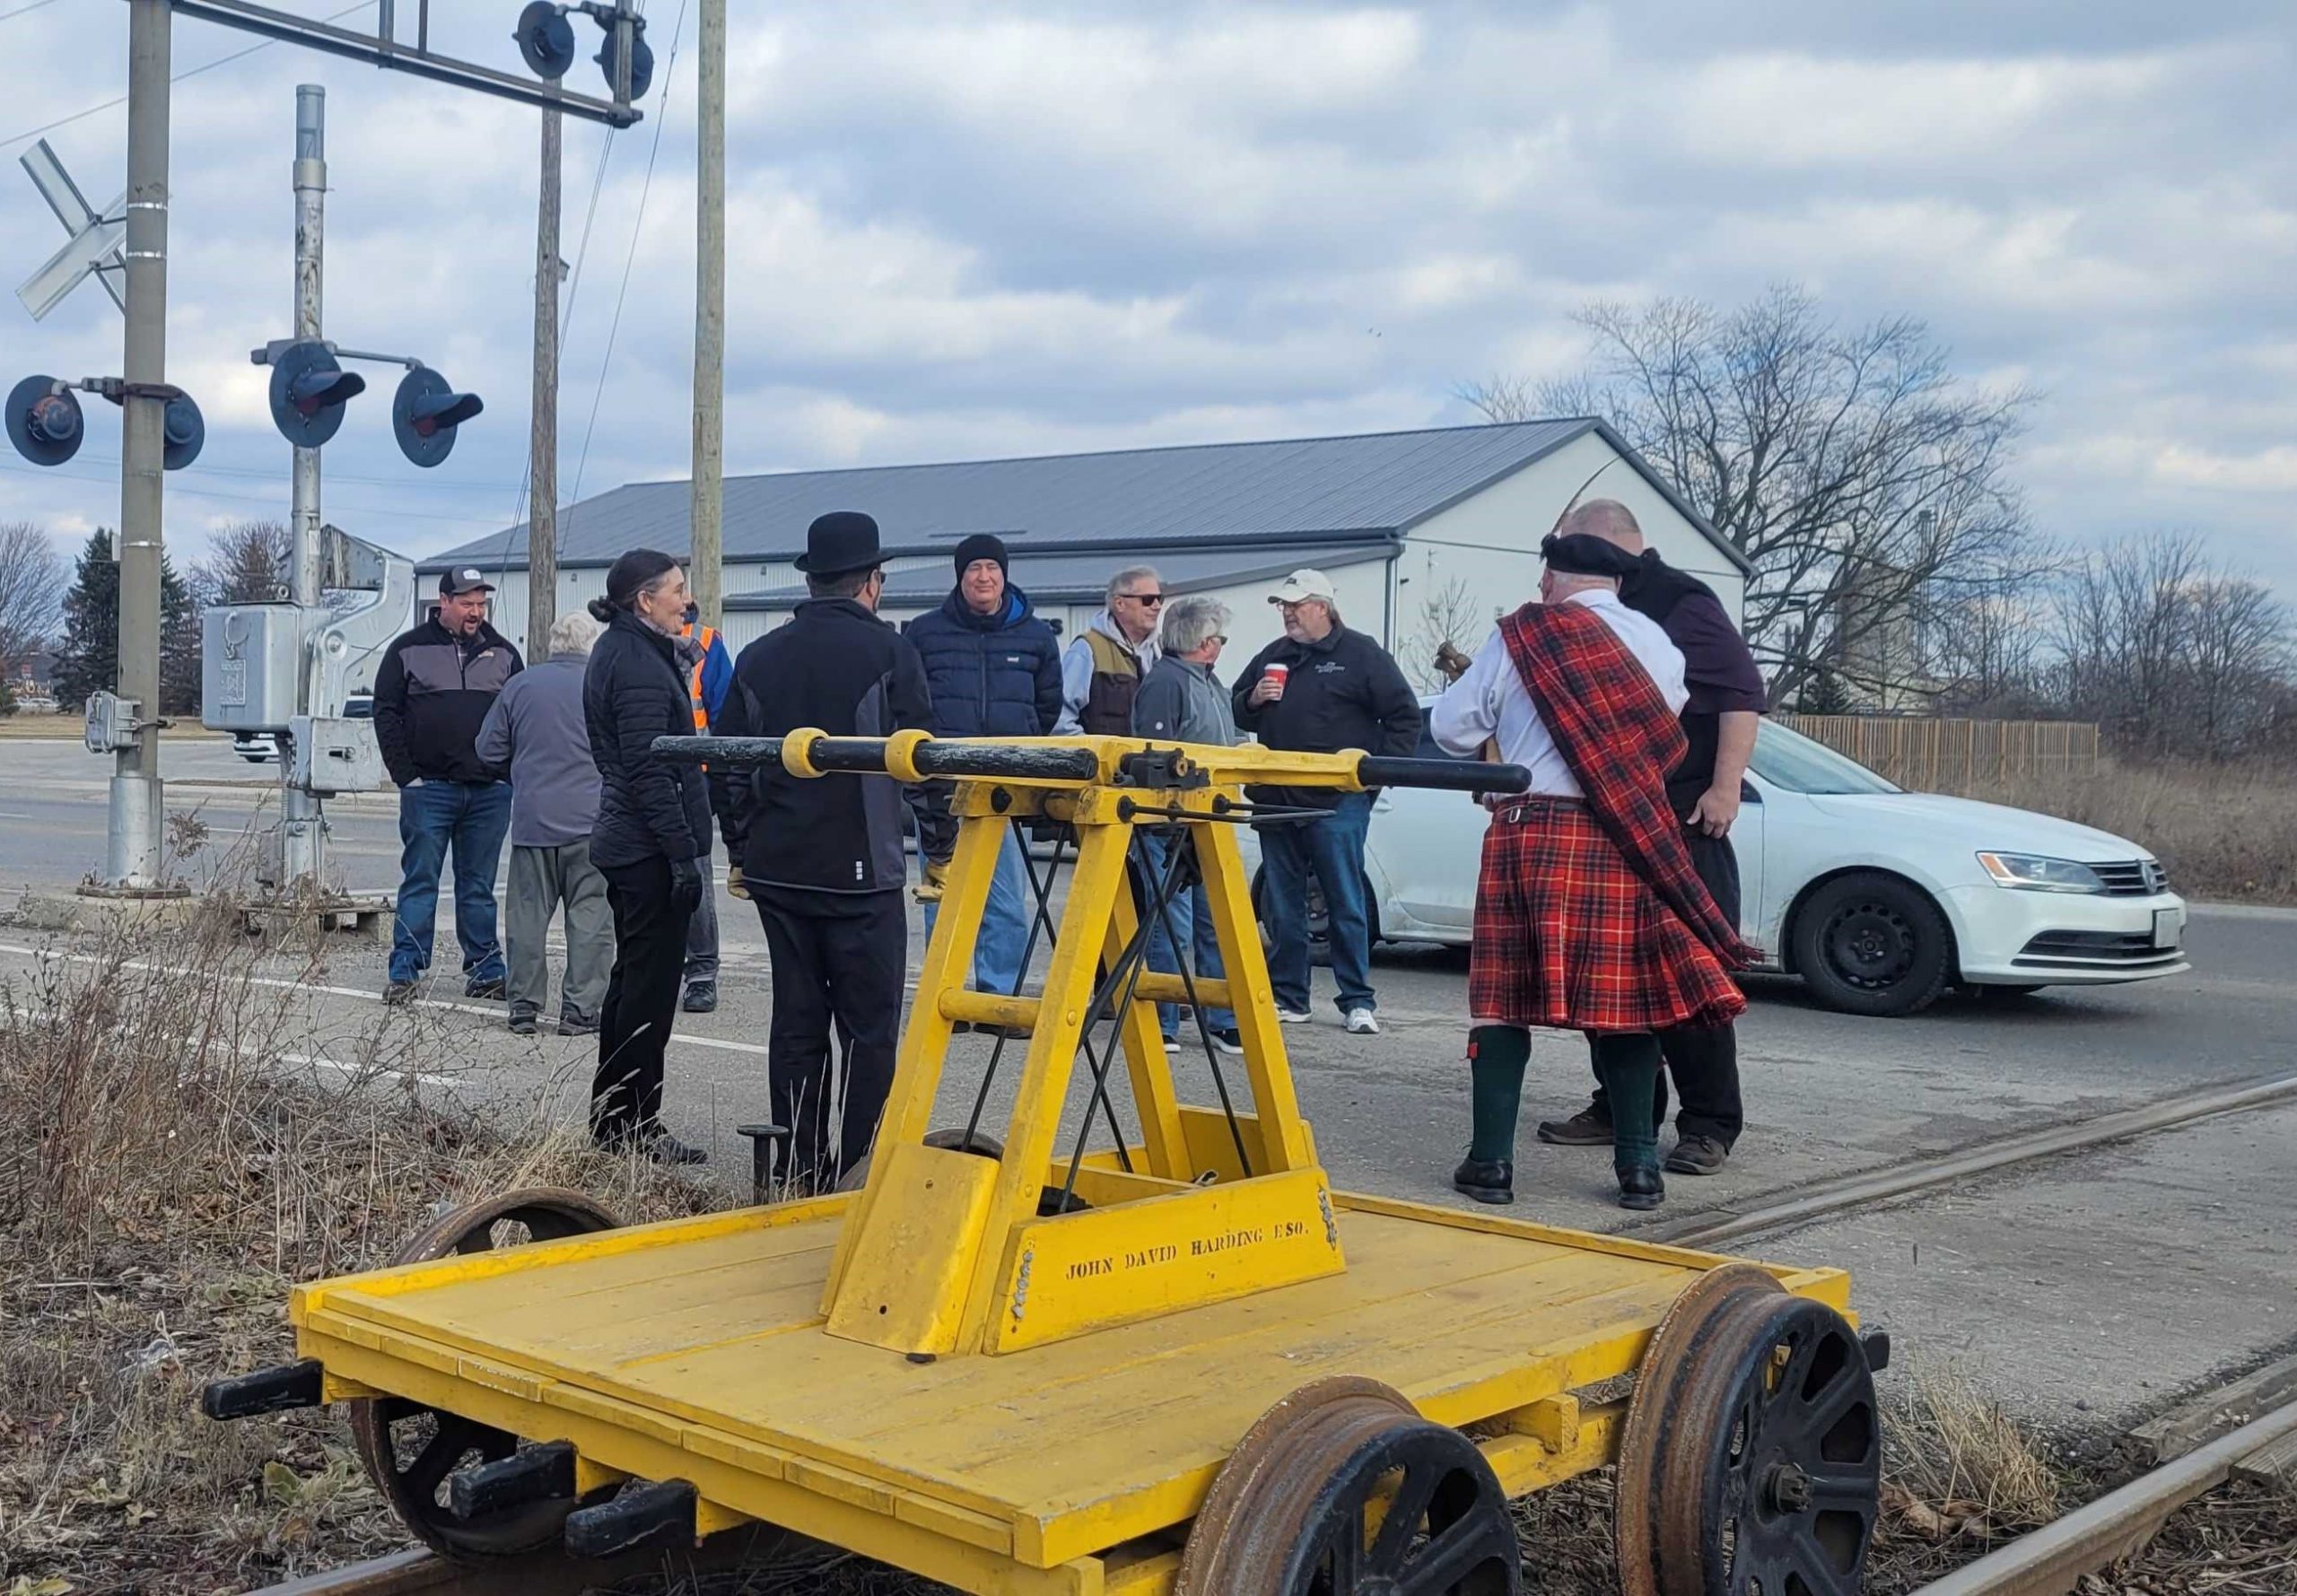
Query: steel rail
[2091,1539]
[1826,1199]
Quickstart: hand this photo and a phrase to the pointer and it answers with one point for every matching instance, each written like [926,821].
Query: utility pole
[542,447]
[132,855]
[303,830]
[704,567]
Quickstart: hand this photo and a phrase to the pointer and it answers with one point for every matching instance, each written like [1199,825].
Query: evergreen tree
[88,663]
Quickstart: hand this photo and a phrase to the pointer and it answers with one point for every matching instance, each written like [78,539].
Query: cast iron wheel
[1341,1490]
[1751,1464]
[1872,944]
[411,1450]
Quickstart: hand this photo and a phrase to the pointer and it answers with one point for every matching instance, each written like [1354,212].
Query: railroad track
[2046,1562]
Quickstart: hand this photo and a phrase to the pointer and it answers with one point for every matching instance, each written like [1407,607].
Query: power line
[23,10]
[179,77]
[662,117]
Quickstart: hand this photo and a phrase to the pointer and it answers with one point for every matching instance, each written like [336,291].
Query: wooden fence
[1955,755]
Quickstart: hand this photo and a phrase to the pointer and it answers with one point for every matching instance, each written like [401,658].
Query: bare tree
[1449,617]
[31,593]
[246,563]
[1862,479]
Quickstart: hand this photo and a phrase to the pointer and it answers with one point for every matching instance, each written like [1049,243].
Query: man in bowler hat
[823,859]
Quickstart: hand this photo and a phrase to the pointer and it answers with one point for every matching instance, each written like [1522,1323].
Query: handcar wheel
[1751,1460]
[1872,944]
[1341,1490]
[411,1450]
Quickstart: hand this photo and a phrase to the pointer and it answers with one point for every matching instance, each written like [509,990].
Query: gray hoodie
[536,734]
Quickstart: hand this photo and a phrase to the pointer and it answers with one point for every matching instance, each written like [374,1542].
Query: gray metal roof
[1322,490]
[1084,577]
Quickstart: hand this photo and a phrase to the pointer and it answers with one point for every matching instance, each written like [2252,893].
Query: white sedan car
[1878,898]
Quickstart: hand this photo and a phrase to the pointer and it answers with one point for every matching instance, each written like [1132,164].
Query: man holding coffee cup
[1321,689]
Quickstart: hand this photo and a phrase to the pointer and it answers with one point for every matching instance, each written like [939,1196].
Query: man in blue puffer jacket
[994,671]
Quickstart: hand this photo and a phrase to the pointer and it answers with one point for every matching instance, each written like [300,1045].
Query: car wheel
[1872,943]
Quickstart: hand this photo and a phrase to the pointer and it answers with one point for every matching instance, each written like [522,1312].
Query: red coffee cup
[1276,674]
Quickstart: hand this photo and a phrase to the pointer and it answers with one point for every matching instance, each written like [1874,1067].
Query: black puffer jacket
[631,694]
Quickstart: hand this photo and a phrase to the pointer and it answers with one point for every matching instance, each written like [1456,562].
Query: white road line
[357,993]
[310,1060]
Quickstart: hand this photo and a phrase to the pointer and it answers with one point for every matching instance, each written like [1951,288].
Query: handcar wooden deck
[1180,1363]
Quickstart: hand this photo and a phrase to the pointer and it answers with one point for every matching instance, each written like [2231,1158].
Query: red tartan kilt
[1568,935]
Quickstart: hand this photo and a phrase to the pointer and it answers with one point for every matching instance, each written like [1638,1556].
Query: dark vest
[1116,681]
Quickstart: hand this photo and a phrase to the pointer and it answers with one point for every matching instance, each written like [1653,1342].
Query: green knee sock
[1496,1055]
[1629,1065]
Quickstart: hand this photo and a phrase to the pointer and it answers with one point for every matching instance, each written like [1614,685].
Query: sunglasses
[1151,599]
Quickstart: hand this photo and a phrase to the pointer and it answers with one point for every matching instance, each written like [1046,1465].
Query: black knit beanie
[627,577]
[982,546]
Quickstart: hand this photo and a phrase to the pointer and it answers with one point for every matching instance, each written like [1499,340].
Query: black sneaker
[522,1022]
[1486,1179]
[495,990]
[663,1147]
[574,1024]
[700,997]
[399,994]
[1585,1129]
[1641,1188]
[1230,1040]
[1697,1155]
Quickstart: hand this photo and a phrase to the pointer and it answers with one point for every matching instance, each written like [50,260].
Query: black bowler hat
[842,540]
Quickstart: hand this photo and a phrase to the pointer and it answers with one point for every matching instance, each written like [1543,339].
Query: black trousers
[641,998]
[1704,1060]
[842,958]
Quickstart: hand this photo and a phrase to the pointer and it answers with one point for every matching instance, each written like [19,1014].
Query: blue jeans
[433,816]
[1333,847]
[1004,924]
[1190,913]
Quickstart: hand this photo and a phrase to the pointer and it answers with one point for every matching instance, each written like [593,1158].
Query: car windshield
[1789,760]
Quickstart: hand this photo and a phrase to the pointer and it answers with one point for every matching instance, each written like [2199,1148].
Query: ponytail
[631,575]
[601,611]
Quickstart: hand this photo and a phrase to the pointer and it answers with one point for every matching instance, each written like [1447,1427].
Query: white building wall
[1480,557]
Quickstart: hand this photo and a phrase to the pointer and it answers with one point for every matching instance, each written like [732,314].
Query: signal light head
[308,392]
[546,40]
[43,418]
[185,433]
[425,413]
[641,58]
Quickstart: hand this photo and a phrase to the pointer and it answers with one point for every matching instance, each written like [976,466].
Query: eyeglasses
[1151,599]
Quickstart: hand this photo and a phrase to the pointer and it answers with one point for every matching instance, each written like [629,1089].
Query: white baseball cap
[1307,582]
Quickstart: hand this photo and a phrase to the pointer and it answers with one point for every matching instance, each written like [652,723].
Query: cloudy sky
[962,231]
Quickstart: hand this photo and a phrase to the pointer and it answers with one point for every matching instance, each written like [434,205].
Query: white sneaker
[1292,1016]
[1361,1022]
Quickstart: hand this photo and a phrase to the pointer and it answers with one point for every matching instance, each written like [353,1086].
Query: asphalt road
[2066,1288]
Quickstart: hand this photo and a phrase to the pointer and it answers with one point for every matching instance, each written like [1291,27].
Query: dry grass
[2227,832]
[172,1157]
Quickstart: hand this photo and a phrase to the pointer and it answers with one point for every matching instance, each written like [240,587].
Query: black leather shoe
[574,1024]
[1585,1129]
[700,997]
[522,1022]
[663,1147]
[496,990]
[1641,1188]
[1697,1155]
[1487,1180]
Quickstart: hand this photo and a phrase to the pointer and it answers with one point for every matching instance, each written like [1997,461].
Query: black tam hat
[1582,553]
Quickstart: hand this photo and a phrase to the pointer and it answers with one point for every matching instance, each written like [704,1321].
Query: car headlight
[2036,873]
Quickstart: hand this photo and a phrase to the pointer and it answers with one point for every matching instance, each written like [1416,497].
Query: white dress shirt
[1490,701]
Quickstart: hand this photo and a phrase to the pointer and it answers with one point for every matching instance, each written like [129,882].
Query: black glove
[686,885]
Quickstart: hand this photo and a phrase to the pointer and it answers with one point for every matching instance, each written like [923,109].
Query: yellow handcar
[1028,1356]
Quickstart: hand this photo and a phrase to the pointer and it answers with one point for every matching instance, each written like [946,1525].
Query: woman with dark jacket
[651,842]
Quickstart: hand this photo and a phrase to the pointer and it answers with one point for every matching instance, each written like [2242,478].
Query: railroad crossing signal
[425,413]
[93,247]
[308,392]
[44,420]
[546,40]
[641,56]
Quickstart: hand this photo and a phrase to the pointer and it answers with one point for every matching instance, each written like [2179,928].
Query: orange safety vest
[706,636]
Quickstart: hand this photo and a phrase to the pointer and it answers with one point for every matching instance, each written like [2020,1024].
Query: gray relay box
[249,657]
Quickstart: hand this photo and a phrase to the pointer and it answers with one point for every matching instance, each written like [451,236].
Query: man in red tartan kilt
[1588,915]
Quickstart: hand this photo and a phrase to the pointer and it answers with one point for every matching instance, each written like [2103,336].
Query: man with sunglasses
[1103,669]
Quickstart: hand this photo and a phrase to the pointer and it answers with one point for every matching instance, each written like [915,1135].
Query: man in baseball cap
[432,690]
